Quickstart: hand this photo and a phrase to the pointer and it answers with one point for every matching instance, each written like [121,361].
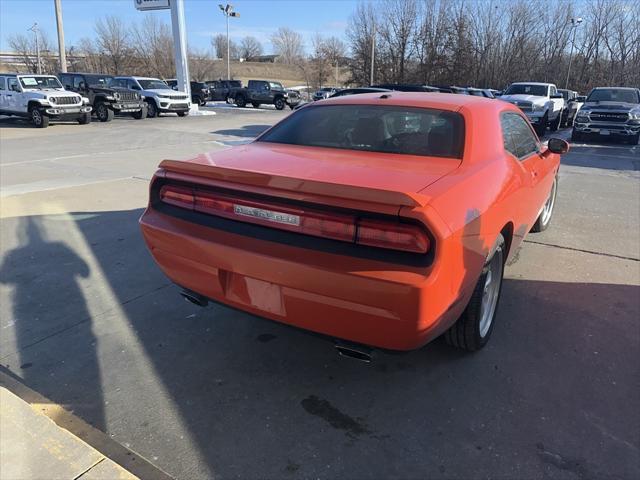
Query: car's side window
[12,84]
[518,138]
[77,80]
[2,83]
[133,85]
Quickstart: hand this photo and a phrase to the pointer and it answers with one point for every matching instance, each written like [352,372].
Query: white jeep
[41,98]
[160,97]
[540,102]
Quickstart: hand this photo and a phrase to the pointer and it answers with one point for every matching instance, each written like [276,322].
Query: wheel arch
[507,234]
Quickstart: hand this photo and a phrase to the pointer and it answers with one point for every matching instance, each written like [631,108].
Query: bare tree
[152,46]
[219,43]
[250,48]
[112,38]
[361,31]
[288,44]
[25,47]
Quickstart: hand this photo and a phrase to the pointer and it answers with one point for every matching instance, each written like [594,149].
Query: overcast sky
[204,19]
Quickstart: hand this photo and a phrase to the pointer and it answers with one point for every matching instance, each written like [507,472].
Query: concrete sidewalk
[40,439]
[34,447]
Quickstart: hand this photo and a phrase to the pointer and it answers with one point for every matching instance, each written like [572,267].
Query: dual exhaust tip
[355,351]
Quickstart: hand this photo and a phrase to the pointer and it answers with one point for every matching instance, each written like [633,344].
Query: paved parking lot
[88,320]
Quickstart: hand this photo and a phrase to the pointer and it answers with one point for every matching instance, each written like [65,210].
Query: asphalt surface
[89,321]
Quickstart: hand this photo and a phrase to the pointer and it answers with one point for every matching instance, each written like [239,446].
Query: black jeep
[105,95]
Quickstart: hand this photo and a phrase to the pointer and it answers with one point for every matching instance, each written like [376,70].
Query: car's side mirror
[556,95]
[135,87]
[557,145]
[581,99]
[82,86]
[14,88]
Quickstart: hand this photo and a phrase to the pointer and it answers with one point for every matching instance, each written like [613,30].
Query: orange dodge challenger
[380,220]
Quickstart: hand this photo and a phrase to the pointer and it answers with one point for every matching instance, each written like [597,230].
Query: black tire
[182,114]
[38,117]
[544,219]
[152,109]
[255,104]
[556,123]
[635,139]
[84,118]
[292,106]
[576,136]
[241,101]
[103,112]
[471,332]
[141,114]
[279,103]
[203,101]
[541,128]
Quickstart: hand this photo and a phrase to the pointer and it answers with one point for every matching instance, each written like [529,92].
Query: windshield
[275,86]
[40,82]
[153,85]
[613,95]
[522,89]
[373,128]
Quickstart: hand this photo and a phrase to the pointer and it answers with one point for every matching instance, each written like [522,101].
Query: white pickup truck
[541,103]
[40,98]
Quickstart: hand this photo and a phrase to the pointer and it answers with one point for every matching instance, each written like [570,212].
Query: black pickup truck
[609,112]
[258,92]
[105,96]
[220,89]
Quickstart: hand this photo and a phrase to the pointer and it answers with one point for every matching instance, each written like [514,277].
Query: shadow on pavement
[611,156]
[554,392]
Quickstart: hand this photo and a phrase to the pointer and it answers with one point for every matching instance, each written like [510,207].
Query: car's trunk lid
[389,179]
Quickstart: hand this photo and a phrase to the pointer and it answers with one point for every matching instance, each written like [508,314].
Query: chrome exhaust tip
[361,353]
[194,298]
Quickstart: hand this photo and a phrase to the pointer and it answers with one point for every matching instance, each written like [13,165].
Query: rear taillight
[398,236]
[336,226]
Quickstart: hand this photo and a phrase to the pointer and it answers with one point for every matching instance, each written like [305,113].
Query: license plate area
[252,292]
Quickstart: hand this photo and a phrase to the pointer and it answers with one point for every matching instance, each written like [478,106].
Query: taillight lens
[398,236]
[336,226]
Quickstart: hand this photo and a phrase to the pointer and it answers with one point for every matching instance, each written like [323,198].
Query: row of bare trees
[490,43]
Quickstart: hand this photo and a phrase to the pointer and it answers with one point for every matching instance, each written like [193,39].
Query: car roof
[616,88]
[441,101]
[532,83]
[85,73]
[26,74]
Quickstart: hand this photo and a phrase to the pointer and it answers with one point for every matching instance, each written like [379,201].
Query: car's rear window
[374,128]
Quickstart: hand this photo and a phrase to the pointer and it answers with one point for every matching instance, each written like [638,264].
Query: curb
[98,440]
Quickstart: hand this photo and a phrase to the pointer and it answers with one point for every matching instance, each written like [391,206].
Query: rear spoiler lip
[223,177]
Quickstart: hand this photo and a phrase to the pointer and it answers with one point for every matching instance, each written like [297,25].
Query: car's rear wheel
[241,101]
[255,104]
[472,330]
[39,118]
[544,219]
[279,103]
[152,109]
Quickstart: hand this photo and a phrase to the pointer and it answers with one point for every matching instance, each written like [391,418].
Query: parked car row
[76,96]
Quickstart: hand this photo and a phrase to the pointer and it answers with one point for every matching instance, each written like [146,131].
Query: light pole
[35,30]
[373,52]
[574,24]
[61,51]
[227,11]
